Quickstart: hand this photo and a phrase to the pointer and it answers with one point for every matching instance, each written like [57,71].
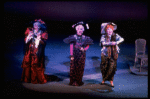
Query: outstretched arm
[87,47]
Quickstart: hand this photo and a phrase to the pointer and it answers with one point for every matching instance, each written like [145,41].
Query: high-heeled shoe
[102,83]
[112,85]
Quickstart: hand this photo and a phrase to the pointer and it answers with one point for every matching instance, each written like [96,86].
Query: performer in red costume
[78,45]
[33,61]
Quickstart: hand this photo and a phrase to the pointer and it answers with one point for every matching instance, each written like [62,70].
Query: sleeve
[88,41]
[71,49]
[44,37]
[119,39]
[26,34]
[102,40]
[27,38]
[86,48]
[70,39]
[41,44]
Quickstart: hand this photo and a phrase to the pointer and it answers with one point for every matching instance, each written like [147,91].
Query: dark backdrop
[130,17]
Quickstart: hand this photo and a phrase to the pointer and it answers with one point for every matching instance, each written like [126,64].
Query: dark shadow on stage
[66,63]
[16,88]
[53,78]
[95,58]
[46,60]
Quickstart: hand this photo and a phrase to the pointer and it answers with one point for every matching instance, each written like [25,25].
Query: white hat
[86,26]
[103,25]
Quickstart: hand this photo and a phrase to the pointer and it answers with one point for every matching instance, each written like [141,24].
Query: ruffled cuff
[88,41]
[69,39]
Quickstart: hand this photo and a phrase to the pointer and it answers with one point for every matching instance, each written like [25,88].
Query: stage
[131,18]
[57,66]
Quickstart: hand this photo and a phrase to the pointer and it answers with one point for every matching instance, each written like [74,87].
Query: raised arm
[28,35]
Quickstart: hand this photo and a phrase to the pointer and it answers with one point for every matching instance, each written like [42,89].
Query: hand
[38,37]
[29,37]
[82,49]
[113,43]
[31,34]
[72,58]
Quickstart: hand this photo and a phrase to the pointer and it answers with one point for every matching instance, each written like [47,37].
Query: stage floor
[127,85]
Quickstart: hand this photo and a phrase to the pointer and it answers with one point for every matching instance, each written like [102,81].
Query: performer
[79,44]
[33,61]
[109,53]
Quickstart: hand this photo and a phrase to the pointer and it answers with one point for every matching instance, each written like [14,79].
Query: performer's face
[79,29]
[36,25]
[109,31]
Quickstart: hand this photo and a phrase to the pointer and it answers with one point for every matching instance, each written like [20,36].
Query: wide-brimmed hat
[103,26]
[86,26]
